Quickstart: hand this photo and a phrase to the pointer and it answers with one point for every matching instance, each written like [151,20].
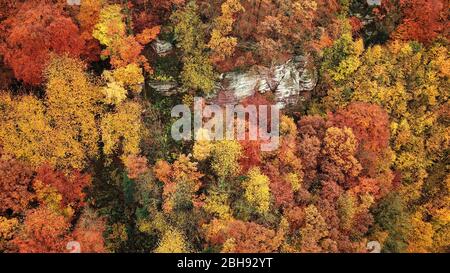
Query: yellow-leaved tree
[411,82]
[173,241]
[221,43]
[25,132]
[257,191]
[122,129]
[225,156]
[72,106]
[197,70]
[61,129]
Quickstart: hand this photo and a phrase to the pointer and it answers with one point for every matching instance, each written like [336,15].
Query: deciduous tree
[89,232]
[340,163]
[242,237]
[122,129]
[189,33]
[15,181]
[181,183]
[423,20]
[36,30]
[221,43]
[43,231]
[257,191]
[71,186]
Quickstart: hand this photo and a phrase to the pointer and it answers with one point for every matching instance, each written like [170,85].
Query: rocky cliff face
[161,47]
[288,82]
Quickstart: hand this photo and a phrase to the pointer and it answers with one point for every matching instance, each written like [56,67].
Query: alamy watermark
[231,122]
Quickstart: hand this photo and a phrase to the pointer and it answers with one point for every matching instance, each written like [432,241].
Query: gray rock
[162,47]
[166,88]
[73,2]
[287,81]
[374,2]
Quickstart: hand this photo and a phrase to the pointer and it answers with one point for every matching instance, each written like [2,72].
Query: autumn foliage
[88,157]
[38,235]
[15,182]
[35,31]
[423,21]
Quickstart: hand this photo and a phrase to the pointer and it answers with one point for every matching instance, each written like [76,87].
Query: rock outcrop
[288,81]
[161,47]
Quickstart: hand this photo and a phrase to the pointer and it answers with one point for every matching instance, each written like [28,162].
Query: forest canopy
[86,153]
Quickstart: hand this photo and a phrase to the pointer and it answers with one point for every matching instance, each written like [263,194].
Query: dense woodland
[86,153]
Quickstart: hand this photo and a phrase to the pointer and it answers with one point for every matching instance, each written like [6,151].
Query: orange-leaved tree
[30,35]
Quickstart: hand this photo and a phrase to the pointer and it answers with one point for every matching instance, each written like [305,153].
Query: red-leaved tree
[35,31]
